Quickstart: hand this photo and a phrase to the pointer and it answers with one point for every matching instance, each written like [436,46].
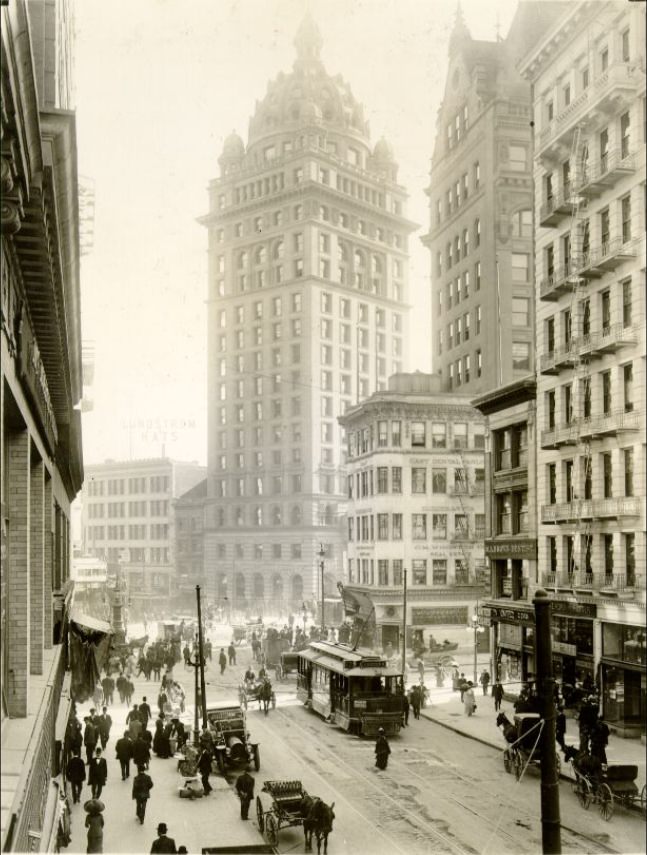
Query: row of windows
[132,486]
[595,551]
[389,434]
[459,372]
[578,475]
[389,572]
[577,400]
[260,551]
[275,515]
[457,194]
[371,527]
[384,479]
[156,508]
[128,532]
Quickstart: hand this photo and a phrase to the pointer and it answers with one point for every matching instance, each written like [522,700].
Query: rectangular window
[518,158]
[419,571]
[396,526]
[418,480]
[627,306]
[625,139]
[628,466]
[418,434]
[520,312]
[382,526]
[419,526]
[521,355]
[439,526]
[396,479]
[606,392]
[625,206]
[628,386]
[439,481]
[439,571]
[520,266]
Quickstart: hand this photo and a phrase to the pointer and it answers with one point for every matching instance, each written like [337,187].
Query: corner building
[307,314]
[588,76]
[415,501]
[481,229]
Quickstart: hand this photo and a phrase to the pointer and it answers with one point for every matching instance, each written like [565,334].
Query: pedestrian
[75,736]
[145,713]
[94,824]
[206,740]
[162,700]
[186,653]
[142,786]
[222,660]
[163,843]
[97,773]
[124,753]
[382,750]
[104,725]
[415,701]
[484,680]
[600,740]
[245,790]
[161,742]
[204,767]
[462,685]
[469,701]
[587,719]
[76,775]
[141,752]
[130,689]
[121,687]
[208,647]
[421,670]
[90,738]
[456,679]
[497,695]
[560,727]
[405,709]
[134,723]
[108,685]
[231,652]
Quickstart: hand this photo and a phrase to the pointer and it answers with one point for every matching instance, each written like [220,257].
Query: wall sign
[439,615]
[513,548]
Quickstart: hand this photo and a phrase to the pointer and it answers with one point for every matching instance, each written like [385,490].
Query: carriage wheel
[507,761]
[260,814]
[583,792]
[272,830]
[605,801]
[518,765]
[257,758]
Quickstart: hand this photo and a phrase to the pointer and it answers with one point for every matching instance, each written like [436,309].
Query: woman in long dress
[94,824]
[469,701]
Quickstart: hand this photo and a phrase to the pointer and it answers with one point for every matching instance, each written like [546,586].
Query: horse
[509,730]
[265,695]
[318,820]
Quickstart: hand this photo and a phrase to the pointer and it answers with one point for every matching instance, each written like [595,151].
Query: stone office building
[308,308]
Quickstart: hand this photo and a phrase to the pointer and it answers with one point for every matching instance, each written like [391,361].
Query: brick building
[189,541]
[40,429]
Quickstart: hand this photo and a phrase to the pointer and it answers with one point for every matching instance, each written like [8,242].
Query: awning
[90,623]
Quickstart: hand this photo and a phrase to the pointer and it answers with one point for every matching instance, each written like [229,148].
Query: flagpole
[404,626]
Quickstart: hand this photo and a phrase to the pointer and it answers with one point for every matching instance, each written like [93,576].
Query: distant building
[128,519]
[415,488]
[481,224]
[588,75]
[189,541]
[90,577]
[40,423]
[308,309]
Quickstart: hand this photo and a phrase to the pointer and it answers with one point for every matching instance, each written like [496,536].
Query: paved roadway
[442,793]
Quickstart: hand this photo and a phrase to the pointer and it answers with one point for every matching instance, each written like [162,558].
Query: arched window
[258,515]
[276,515]
[360,260]
[278,249]
[242,259]
[296,515]
[260,255]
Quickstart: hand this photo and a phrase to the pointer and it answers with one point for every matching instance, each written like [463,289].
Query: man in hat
[382,749]
[76,775]
[90,737]
[124,749]
[245,790]
[163,843]
[142,786]
[145,713]
[97,773]
[104,724]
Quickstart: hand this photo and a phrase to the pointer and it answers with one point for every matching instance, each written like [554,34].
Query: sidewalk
[445,708]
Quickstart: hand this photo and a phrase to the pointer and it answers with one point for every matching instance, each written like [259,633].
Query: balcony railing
[561,281]
[606,256]
[583,509]
[563,434]
[579,579]
[592,178]
[618,83]
[553,209]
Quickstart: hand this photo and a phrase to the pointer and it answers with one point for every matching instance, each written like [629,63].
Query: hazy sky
[159,85]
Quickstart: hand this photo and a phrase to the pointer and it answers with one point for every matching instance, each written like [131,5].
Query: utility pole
[404,626]
[550,819]
[322,552]
[203,692]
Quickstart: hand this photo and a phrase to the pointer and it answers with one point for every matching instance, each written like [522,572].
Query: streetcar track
[578,836]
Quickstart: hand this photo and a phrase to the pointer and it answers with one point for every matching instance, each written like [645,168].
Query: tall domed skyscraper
[307,315]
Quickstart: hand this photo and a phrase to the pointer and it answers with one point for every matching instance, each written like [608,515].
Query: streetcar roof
[351,663]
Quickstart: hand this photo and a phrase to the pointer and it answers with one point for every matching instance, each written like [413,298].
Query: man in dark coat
[124,749]
[560,727]
[104,723]
[405,709]
[142,786]
[97,773]
[141,753]
[245,790]
[121,687]
[204,767]
[108,685]
[90,738]
[497,695]
[163,843]
[145,713]
[222,660]
[382,750]
[76,775]
[231,653]
[600,740]
[415,701]
[484,680]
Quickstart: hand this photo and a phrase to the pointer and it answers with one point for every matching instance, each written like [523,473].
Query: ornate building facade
[40,423]
[307,315]
[415,488]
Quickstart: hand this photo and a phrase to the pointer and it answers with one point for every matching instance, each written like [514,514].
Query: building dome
[234,147]
[383,151]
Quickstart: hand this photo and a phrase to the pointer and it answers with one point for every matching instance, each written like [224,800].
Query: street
[441,792]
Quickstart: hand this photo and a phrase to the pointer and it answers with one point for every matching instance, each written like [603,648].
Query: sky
[159,86]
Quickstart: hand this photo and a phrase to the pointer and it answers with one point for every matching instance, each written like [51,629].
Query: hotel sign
[513,548]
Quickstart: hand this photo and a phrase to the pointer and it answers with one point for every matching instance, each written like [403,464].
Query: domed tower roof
[233,152]
[308,95]
[383,151]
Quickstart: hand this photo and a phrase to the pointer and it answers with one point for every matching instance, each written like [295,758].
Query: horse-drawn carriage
[605,788]
[242,633]
[523,738]
[232,745]
[257,690]
[289,663]
[292,806]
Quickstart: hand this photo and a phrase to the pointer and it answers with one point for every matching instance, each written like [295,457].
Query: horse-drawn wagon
[605,788]
[292,806]
[523,738]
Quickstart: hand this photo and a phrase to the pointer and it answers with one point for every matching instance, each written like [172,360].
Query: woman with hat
[94,824]
[382,749]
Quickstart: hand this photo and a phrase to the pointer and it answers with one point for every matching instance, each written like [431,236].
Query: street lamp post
[322,553]
[304,613]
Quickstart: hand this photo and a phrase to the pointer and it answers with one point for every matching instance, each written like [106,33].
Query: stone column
[37,563]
